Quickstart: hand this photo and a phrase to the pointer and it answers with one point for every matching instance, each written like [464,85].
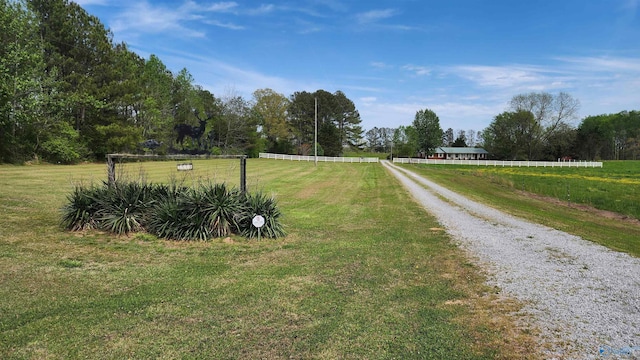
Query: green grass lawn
[363,273]
[615,187]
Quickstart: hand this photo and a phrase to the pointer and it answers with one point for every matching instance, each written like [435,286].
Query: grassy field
[529,193]
[363,273]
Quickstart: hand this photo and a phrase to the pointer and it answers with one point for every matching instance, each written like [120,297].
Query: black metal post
[243,174]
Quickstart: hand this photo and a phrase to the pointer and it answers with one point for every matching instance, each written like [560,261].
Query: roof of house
[461,150]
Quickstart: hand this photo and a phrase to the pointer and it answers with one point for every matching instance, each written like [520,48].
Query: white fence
[500,163]
[320,158]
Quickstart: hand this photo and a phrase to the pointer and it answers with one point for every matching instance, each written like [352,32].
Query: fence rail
[500,163]
[320,158]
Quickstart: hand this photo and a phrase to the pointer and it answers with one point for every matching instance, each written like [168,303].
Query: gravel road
[582,297]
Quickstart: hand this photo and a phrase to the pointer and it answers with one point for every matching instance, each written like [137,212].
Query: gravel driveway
[583,297]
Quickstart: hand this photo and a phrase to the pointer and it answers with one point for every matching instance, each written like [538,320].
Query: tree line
[69,93]
[535,126]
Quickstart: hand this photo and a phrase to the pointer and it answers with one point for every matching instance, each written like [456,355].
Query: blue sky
[463,59]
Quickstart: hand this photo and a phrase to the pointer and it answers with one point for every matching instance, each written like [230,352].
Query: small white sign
[258,221]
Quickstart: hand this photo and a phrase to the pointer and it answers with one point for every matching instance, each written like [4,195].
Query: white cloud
[368,89]
[456,115]
[230,26]
[601,84]
[222,6]
[417,70]
[262,10]
[145,17]
[603,64]
[220,76]
[368,99]
[380,65]
[385,114]
[500,76]
[375,15]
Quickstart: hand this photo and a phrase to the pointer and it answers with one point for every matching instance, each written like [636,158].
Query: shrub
[171,211]
[123,207]
[166,220]
[221,209]
[260,204]
[80,211]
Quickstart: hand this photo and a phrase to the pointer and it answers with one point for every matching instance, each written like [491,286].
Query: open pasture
[363,273]
[614,187]
[554,196]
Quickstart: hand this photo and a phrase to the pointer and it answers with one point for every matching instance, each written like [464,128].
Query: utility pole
[315,140]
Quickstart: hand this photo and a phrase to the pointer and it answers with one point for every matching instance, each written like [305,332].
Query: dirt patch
[582,207]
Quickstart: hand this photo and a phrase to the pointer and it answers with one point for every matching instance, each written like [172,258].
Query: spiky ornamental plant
[80,212]
[260,204]
[219,209]
[191,223]
[171,211]
[166,220]
[123,207]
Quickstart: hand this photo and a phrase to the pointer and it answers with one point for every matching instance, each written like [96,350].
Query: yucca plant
[164,217]
[260,204]
[80,212]
[171,211]
[123,207]
[218,209]
[191,224]
[166,220]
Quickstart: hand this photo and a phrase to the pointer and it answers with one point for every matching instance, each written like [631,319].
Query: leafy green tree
[561,143]
[123,86]
[429,133]
[335,109]
[119,137]
[271,109]
[405,142]
[609,136]
[237,129]
[380,139]
[509,135]
[154,110]
[301,114]
[78,51]
[347,119]
[329,139]
[118,126]
[61,144]
[461,141]
[594,138]
[21,66]
[182,98]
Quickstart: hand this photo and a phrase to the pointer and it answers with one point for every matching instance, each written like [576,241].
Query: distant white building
[460,153]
